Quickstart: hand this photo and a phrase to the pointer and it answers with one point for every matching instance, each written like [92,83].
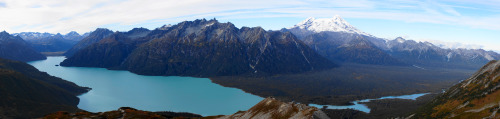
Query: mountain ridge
[93,37]
[207,48]
[399,51]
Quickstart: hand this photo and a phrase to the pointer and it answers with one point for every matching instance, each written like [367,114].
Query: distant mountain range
[15,48]
[197,48]
[209,48]
[47,42]
[337,40]
[28,93]
[474,98]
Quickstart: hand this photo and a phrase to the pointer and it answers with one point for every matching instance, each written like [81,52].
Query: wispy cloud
[66,15]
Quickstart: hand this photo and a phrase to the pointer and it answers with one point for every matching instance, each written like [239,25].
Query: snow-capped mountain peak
[335,24]
[400,40]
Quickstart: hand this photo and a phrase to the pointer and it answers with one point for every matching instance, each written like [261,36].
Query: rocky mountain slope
[349,47]
[476,97]
[337,40]
[108,52]
[93,37]
[271,108]
[201,48]
[29,93]
[15,48]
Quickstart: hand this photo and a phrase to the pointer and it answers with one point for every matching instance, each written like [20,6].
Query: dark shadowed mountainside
[15,48]
[29,93]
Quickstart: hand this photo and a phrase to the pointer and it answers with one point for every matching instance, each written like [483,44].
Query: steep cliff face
[15,48]
[476,97]
[28,93]
[271,108]
[201,48]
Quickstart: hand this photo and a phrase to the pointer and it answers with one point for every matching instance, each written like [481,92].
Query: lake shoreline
[112,89]
[360,106]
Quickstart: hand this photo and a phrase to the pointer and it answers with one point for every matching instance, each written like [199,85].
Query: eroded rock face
[271,108]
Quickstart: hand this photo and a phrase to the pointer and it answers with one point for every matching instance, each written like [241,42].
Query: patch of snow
[335,24]
[454,45]
[302,51]
[210,24]
[400,40]
[165,27]
[449,56]
[489,57]
[418,67]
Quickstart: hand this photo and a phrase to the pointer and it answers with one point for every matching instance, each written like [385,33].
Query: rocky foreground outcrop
[268,108]
[271,108]
[121,113]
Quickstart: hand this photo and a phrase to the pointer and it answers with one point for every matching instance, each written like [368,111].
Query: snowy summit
[335,24]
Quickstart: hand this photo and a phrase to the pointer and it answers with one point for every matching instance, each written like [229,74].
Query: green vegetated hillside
[28,93]
[476,97]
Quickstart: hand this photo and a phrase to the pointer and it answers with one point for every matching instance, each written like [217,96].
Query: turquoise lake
[364,108]
[113,89]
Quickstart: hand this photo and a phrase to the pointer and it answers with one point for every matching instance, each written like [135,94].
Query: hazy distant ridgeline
[47,42]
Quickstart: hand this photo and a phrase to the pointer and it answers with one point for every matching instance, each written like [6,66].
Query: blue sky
[463,21]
